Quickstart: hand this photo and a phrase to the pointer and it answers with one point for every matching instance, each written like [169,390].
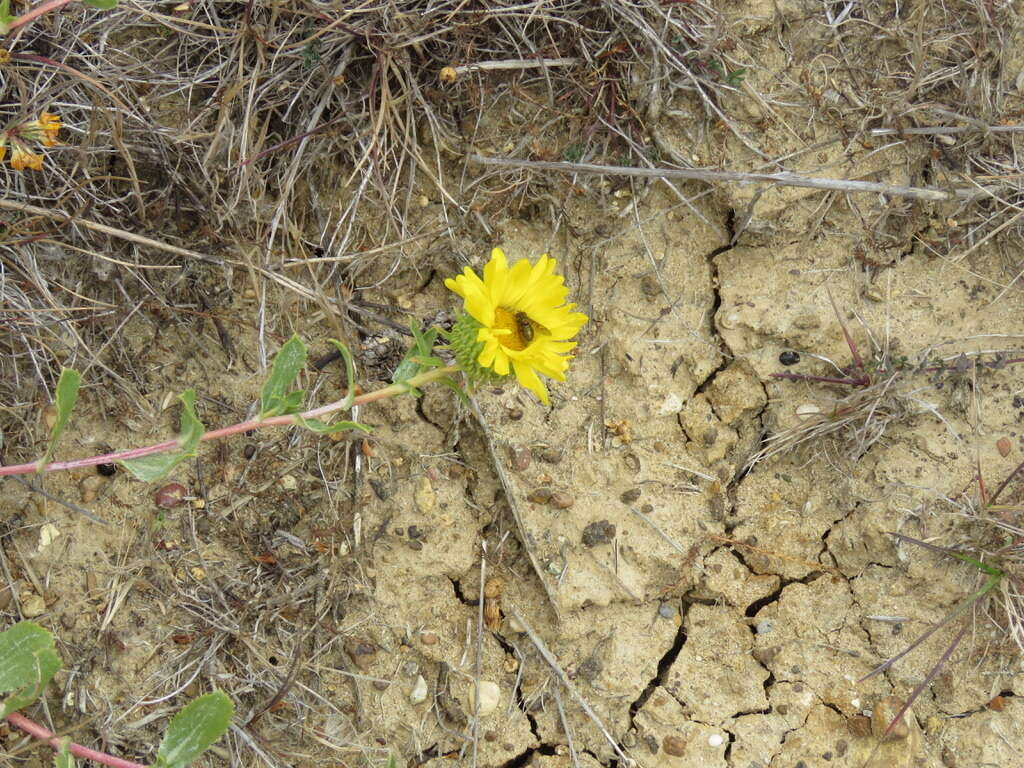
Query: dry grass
[294,146]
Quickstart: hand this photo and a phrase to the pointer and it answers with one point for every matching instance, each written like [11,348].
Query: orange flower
[22,158]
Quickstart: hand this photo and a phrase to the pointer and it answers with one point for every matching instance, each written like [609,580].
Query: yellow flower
[520,319]
[44,130]
[49,124]
[22,158]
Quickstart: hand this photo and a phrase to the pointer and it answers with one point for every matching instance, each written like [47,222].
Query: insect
[524,326]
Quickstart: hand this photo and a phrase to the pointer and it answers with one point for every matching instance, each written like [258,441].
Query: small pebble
[539,495]
[666,611]
[170,495]
[806,410]
[715,740]
[428,638]
[380,488]
[628,497]
[381,685]
[490,695]
[789,357]
[551,455]
[561,500]
[520,458]
[515,414]
[362,652]
[1003,446]
[883,714]
[674,745]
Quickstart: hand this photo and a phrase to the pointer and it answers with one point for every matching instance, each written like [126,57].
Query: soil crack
[664,664]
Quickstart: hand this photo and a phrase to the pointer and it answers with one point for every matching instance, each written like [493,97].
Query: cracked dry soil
[707,615]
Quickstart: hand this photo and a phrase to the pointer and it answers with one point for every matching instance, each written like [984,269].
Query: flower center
[521,329]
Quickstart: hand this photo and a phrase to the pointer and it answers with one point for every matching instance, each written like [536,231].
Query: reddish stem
[35,13]
[33,728]
[234,429]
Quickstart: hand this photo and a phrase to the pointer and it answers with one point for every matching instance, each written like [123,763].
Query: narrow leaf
[152,468]
[288,361]
[350,372]
[28,659]
[323,428]
[67,394]
[102,5]
[194,729]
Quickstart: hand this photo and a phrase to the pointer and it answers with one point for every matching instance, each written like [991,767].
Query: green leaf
[275,398]
[28,659]
[152,468]
[323,428]
[991,570]
[102,5]
[419,358]
[67,394]
[350,373]
[63,759]
[194,729]
[5,17]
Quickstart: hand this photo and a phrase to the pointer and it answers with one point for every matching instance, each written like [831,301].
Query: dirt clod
[597,533]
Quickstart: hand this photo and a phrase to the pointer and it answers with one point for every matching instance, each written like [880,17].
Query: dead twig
[784,179]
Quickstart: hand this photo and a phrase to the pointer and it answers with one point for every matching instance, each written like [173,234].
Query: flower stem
[274,421]
[40,10]
[35,729]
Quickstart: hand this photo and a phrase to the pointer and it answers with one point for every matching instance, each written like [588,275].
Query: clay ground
[627,576]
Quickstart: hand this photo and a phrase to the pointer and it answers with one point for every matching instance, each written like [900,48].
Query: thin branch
[783,179]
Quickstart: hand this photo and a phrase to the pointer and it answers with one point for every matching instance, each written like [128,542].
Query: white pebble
[419,691]
[490,695]
[715,740]
[807,410]
[672,404]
